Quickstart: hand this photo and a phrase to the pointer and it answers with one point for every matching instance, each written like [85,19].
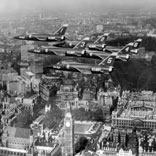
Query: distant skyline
[9,6]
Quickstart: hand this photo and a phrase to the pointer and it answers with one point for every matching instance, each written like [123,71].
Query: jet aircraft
[85,42]
[60,51]
[58,36]
[99,44]
[104,67]
[96,40]
[123,54]
[135,45]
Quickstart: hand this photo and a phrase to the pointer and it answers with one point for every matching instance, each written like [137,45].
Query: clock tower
[68,135]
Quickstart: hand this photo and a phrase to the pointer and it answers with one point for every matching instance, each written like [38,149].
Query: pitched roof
[22,133]
[18,132]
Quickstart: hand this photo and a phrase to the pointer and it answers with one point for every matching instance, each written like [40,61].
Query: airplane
[85,42]
[58,36]
[96,42]
[60,51]
[104,67]
[99,44]
[135,45]
[123,54]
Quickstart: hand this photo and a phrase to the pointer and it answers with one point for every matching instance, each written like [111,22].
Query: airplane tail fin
[126,49]
[62,30]
[109,61]
[102,39]
[137,43]
[82,44]
[129,48]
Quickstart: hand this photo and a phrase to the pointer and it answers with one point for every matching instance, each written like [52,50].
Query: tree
[81,144]
[97,114]
[153,61]
[38,107]
[53,117]
[89,115]
[81,114]
[135,74]
[148,42]
[24,119]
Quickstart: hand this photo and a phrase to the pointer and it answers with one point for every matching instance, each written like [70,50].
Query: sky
[7,6]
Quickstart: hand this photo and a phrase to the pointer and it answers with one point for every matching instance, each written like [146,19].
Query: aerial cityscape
[78,78]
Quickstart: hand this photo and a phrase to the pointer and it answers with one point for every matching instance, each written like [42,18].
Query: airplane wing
[55,52]
[96,54]
[112,49]
[83,71]
[56,49]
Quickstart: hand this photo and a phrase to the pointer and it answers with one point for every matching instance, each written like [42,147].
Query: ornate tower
[68,134]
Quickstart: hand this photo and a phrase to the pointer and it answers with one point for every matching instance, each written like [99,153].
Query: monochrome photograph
[77,77]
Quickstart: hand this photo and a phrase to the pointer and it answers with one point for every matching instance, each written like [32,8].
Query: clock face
[67,124]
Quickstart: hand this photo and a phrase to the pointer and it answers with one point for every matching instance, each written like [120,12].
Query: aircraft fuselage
[41,37]
[82,68]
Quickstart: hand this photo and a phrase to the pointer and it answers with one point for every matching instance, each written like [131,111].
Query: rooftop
[140,105]
[18,132]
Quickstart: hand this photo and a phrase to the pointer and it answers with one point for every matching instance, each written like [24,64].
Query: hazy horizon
[9,6]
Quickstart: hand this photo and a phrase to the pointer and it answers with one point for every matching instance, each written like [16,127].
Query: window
[68,150]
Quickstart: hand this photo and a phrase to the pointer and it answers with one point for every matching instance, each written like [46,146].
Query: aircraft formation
[84,49]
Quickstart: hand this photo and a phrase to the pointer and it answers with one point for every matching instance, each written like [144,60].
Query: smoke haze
[21,5]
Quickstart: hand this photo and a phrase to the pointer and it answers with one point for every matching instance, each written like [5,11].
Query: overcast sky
[18,5]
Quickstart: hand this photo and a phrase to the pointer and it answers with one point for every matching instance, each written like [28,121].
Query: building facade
[139,112]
